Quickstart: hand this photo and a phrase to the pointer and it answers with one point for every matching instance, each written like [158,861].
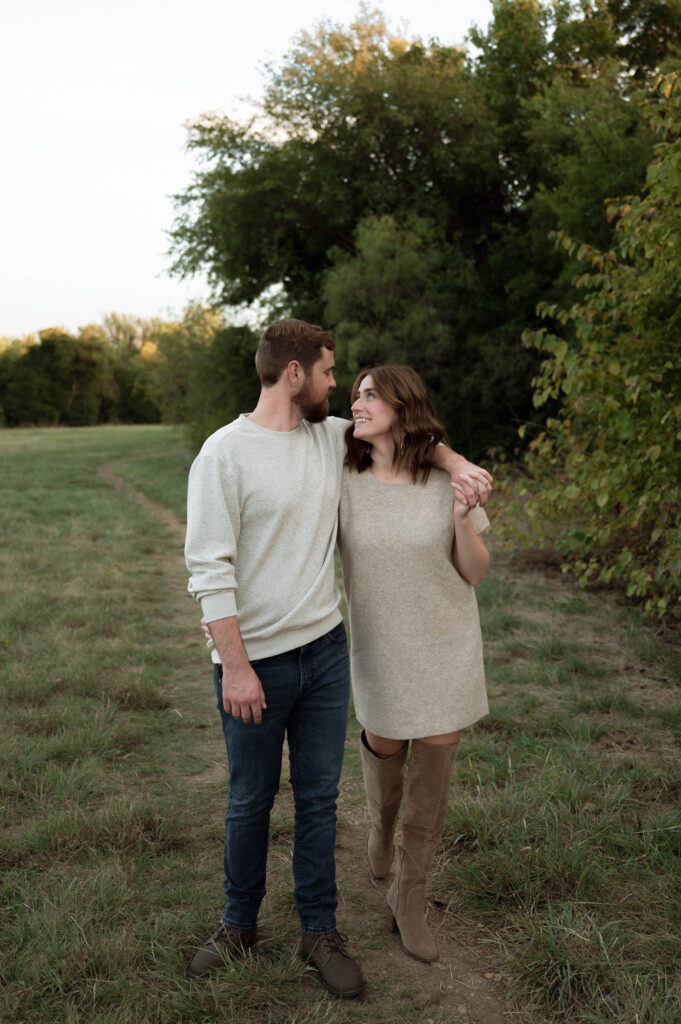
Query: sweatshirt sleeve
[212,532]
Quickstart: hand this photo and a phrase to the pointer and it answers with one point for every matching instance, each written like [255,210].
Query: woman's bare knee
[444,740]
[383,746]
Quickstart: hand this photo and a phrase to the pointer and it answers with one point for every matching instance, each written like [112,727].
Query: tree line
[128,369]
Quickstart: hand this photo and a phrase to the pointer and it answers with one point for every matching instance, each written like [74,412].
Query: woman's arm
[469,555]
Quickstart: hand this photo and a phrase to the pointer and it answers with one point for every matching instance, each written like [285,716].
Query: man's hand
[242,694]
[474,481]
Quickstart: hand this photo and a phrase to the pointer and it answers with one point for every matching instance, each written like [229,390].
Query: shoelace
[335,942]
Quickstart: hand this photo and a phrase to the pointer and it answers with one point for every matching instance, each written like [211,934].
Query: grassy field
[563,840]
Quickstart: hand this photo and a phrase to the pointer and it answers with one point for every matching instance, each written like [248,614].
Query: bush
[607,464]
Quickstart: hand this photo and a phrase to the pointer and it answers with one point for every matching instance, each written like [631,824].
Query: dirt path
[468,985]
[107,474]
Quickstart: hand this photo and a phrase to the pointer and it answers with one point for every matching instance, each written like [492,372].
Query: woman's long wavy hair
[415,429]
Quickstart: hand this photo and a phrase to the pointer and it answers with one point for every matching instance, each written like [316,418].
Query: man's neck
[276,411]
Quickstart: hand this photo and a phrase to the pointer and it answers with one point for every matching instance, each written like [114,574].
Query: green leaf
[625,426]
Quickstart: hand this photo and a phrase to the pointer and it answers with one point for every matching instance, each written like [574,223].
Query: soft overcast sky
[93,98]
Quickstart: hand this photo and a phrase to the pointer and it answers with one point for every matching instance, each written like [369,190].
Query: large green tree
[591,142]
[486,152]
[354,124]
[408,295]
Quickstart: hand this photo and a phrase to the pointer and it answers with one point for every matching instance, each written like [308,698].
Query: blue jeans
[307,692]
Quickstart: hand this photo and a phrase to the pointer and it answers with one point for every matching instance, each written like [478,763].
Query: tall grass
[563,834]
[564,830]
[112,779]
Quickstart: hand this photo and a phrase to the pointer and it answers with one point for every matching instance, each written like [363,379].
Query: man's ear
[295,374]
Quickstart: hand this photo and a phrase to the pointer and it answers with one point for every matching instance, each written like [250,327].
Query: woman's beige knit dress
[416,648]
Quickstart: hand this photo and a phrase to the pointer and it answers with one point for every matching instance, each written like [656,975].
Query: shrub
[609,459]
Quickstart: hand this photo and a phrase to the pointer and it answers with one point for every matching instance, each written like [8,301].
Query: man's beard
[313,412]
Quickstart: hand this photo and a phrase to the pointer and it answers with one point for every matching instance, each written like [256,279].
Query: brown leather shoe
[224,944]
[338,971]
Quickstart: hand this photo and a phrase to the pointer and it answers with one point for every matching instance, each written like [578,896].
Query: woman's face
[373,416]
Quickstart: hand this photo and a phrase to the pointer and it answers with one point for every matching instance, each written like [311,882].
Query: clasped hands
[472,485]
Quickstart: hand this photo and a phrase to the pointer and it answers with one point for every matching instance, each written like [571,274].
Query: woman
[411,555]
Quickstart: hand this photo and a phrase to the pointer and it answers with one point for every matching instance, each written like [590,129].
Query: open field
[557,895]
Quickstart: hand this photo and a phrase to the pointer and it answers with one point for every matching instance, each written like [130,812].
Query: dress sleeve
[478,518]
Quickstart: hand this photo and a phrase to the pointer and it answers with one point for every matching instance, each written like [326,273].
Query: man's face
[313,397]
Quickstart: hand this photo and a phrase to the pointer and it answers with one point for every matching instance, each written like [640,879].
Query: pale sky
[93,98]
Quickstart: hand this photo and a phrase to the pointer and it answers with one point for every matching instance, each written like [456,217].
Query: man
[261,527]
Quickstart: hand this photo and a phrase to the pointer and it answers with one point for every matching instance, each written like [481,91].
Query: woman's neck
[382,453]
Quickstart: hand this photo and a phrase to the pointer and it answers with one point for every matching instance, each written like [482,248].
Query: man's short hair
[285,340]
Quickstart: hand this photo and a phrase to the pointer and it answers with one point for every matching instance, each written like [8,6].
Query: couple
[263,502]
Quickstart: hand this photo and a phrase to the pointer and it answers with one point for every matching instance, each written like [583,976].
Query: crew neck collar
[270,430]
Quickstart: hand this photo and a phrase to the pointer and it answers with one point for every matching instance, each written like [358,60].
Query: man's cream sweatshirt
[262,512]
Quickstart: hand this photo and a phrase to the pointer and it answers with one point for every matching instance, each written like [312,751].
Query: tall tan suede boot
[383,778]
[423,815]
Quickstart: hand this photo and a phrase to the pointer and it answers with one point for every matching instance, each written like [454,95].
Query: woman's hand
[461,506]
[469,554]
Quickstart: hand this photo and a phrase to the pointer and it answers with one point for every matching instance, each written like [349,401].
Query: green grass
[95,642]
[563,835]
[564,830]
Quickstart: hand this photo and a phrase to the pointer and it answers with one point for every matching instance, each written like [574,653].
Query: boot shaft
[428,781]
[424,807]
[383,781]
